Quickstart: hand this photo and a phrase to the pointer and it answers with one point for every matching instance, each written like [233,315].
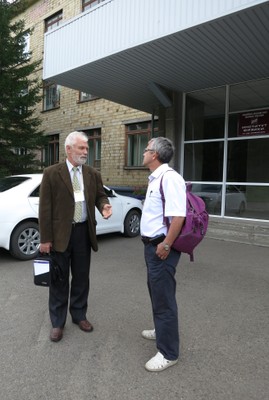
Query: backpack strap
[163,201]
[165,219]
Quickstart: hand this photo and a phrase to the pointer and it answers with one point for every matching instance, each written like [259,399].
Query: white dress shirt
[81,184]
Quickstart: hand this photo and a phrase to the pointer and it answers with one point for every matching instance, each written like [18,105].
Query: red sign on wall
[254,123]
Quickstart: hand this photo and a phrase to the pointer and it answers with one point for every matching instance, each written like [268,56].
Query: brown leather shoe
[85,325]
[56,334]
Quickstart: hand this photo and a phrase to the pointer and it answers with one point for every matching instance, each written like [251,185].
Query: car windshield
[211,188]
[10,182]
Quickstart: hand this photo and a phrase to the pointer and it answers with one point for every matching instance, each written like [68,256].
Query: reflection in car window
[206,188]
[211,188]
[10,182]
[232,189]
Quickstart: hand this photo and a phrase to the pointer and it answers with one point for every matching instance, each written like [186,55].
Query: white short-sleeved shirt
[174,189]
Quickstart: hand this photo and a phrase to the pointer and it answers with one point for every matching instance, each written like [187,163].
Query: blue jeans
[162,290]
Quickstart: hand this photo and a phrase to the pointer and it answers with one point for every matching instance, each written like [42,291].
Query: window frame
[87,4]
[139,132]
[52,148]
[90,98]
[26,49]
[251,186]
[95,143]
[55,103]
[53,21]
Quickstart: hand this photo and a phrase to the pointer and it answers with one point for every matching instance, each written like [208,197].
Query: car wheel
[242,208]
[25,239]
[217,208]
[132,223]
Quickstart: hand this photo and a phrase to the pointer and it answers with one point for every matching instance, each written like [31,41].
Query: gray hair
[73,136]
[163,147]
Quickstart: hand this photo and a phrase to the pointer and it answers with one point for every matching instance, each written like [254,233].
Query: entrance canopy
[135,52]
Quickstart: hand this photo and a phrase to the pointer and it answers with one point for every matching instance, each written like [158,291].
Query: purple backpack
[195,225]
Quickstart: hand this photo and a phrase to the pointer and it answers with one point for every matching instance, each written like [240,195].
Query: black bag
[46,269]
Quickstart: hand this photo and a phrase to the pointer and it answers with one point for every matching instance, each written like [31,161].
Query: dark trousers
[77,257]
[162,290]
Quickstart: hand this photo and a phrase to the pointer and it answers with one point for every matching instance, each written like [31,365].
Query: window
[87,4]
[52,150]
[138,135]
[51,96]
[11,182]
[22,108]
[251,95]
[83,96]
[203,161]
[204,135]
[94,154]
[205,114]
[248,161]
[35,193]
[26,43]
[53,21]
[20,151]
[249,109]
[226,150]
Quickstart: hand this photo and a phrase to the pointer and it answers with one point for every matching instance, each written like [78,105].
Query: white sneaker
[149,334]
[159,363]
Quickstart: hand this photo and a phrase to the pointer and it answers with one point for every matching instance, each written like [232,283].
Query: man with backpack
[161,259]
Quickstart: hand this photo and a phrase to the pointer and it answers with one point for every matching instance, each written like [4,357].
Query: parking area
[223,302]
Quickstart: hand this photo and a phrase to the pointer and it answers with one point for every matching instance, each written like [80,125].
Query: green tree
[20,88]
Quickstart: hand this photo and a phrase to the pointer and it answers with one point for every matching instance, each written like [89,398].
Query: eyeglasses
[148,150]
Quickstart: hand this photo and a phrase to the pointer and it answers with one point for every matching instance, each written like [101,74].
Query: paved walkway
[224,313]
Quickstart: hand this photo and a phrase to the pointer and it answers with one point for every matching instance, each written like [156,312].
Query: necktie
[78,204]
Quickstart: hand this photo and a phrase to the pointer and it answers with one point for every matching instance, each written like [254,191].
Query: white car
[235,200]
[19,201]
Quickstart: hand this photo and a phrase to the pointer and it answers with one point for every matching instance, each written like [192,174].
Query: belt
[77,224]
[153,240]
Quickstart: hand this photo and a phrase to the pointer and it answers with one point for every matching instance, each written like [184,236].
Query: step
[241,231]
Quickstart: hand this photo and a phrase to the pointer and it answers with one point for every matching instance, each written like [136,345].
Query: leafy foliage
[20,88]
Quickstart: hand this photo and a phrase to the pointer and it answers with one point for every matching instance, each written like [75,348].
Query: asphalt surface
[223,302]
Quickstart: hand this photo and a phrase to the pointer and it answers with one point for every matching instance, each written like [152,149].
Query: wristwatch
[166,247]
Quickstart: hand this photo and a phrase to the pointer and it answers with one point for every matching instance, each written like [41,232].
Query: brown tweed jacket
[56,207]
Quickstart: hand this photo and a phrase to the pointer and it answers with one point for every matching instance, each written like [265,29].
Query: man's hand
[107,211]
[45,247]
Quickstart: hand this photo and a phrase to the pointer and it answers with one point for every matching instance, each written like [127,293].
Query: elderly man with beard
[69,193]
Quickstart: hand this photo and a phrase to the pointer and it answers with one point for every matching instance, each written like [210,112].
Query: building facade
[194,71]
[117,133]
